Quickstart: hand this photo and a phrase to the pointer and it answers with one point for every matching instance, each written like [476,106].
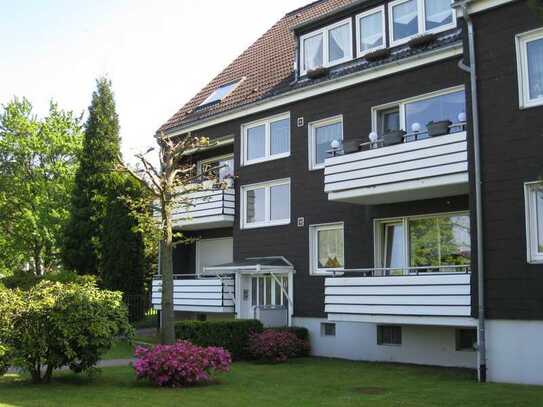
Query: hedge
[231,335]
[300,332]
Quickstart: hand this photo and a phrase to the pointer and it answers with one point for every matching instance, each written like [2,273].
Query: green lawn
[302,382]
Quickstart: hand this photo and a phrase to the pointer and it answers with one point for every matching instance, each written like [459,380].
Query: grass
[302,382]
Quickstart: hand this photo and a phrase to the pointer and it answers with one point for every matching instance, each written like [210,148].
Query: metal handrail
[404,271]
[181,276]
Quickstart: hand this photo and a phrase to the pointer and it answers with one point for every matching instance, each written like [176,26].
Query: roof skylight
[220,93]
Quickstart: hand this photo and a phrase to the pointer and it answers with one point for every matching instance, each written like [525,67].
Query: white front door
[211,252]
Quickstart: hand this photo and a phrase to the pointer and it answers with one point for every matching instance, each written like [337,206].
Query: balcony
[209,209]
[416,168]
[193,294]
[412,296]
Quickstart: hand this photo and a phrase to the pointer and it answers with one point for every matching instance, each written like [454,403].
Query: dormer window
[220,93]
[370,28]
[408,18]
[328,46]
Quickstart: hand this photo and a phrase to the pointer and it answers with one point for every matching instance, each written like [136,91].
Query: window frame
[312,146]
[204,161]
[378,250]
[314,269]
[375,110]
[358,17]
[329,325]
[245,161]
[533,255]
[380,335]
[421,14]
[267,207]
[521,43]
[325,45]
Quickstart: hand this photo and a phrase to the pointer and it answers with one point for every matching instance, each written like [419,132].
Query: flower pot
[393,137]
[438,128]
[317,73]
[421,40]
[377,55]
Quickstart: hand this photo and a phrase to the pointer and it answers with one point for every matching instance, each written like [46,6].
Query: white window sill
[433,31]
[265,224]
[535,260]
[266,159]
[531,103]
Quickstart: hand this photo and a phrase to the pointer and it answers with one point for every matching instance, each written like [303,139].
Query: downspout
[472,70]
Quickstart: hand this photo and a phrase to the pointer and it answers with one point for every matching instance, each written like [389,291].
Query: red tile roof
[267,63]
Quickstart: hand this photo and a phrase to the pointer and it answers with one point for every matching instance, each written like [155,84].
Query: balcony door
[212,252]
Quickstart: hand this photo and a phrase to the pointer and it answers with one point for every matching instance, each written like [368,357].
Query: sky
[157,53]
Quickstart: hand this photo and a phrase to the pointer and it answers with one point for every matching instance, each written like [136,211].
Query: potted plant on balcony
[438,128]
[318,72]
[392,137]
[377,55]
[421,40]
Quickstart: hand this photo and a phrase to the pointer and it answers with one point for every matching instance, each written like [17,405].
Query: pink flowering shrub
[182,364]
[277,346]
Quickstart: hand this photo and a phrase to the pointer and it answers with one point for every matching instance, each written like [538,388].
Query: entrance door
[211,252]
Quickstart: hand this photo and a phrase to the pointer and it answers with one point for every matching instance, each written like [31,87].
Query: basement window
[389,335]
[466,339]
[328,329]
[220,93]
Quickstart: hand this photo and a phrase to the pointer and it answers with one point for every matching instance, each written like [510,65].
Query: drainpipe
[481,346]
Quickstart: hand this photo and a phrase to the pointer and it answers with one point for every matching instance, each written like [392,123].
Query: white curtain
[331,248]
[338,39]
[313,52]
[371,31]
[438,12]
[535,68]
[279,136]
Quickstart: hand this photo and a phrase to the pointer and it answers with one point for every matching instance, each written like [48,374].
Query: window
[326,248]
[223,166]
[220,93]
[533,192]
[408,18]
[447,104]
[530,68]
[321,134]
[466,339]
[266,204]
[389,335]
[328,329]
[370,30]
[326,47]
[266,139]
[424,243]
[266,291]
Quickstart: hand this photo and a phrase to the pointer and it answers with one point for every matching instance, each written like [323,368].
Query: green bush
[231,335]
[25,280]
[54,324]
[5,359]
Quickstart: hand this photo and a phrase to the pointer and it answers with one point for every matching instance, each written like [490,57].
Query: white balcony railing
[193,294]
[414,295]
[209,209]
[422,169]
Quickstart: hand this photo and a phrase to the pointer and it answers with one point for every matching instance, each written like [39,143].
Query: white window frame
[267,209]
[325,46]
[267,153]
[311,128]
[533,254]
[522,41]
[381,9]
[421,13]
[402,103]
[378,224]
[314,230]
[201,163]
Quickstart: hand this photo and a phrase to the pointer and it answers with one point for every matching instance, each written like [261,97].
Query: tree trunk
[167,329]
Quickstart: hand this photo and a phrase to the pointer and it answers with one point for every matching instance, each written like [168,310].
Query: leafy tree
[54,325]
[170,186]
[101,146]
[38,161]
